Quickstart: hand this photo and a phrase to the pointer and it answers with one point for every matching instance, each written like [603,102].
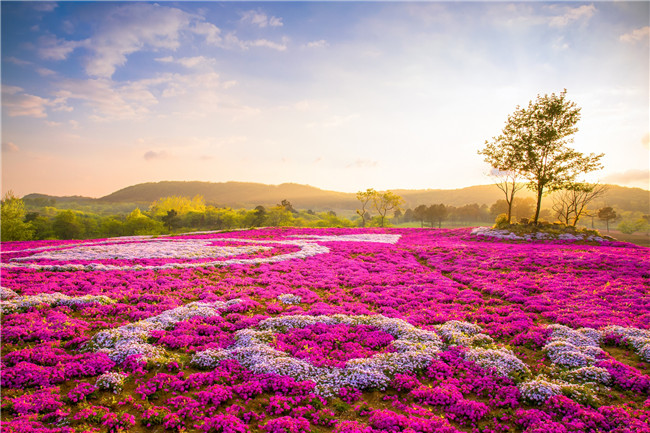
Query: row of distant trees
[164,216]
[181,214]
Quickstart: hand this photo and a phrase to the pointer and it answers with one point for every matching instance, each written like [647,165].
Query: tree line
[164,216]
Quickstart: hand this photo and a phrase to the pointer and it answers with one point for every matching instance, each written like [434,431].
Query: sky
[344,96]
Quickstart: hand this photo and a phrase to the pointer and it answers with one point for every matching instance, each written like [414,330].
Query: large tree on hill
[534,144]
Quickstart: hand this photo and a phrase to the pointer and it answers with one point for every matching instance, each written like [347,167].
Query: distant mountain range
[249,195]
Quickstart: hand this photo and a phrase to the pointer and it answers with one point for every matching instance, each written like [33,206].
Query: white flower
[503,361]
[112,381]
[538,390]
[416,348]
[288,298]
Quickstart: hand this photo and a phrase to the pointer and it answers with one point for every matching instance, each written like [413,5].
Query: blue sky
[339,95]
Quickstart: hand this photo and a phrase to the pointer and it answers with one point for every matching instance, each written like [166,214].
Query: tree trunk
[540,190]
[509,211]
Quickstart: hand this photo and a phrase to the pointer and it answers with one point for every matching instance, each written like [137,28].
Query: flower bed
[344,330]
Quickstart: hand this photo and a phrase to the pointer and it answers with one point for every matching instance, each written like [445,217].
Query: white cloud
[571,14]
[44,6]
[636,35]
[231,40]
[41,71]
[68,27]
[44,72]
[16,103]
[131,27]
[11,90]
[188,62]
[211,32]
[109,100]
[318,44]
[281,46]
[194,95]
[152,155]
[9,147]
[126,29]
[17,61]
[52,48]
[260,19]
[560,44]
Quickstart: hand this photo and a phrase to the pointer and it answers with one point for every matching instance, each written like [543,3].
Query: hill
[249,195]
[237,194]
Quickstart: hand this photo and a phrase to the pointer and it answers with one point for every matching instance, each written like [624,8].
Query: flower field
[318,330]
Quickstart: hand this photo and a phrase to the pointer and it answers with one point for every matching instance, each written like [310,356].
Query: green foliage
[533,144]
[137,224]
[384,202]
[555,229]
[629,227]
[12,219]
[501,221]
[42,226]
[66,225]
[181,205]
[279,216]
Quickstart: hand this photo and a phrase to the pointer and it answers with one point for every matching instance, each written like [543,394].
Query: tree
[286,204]
[629,227]
[570,204]
[384,202]
[258,216]
[12,220]
[137,223]
[397,215]
[66,225]
[181,205]
[534,144]
[170,219]
[364,198]
[408,215]
[437,213]
[507,182]
[607,214]
[420,214]
[42,226]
